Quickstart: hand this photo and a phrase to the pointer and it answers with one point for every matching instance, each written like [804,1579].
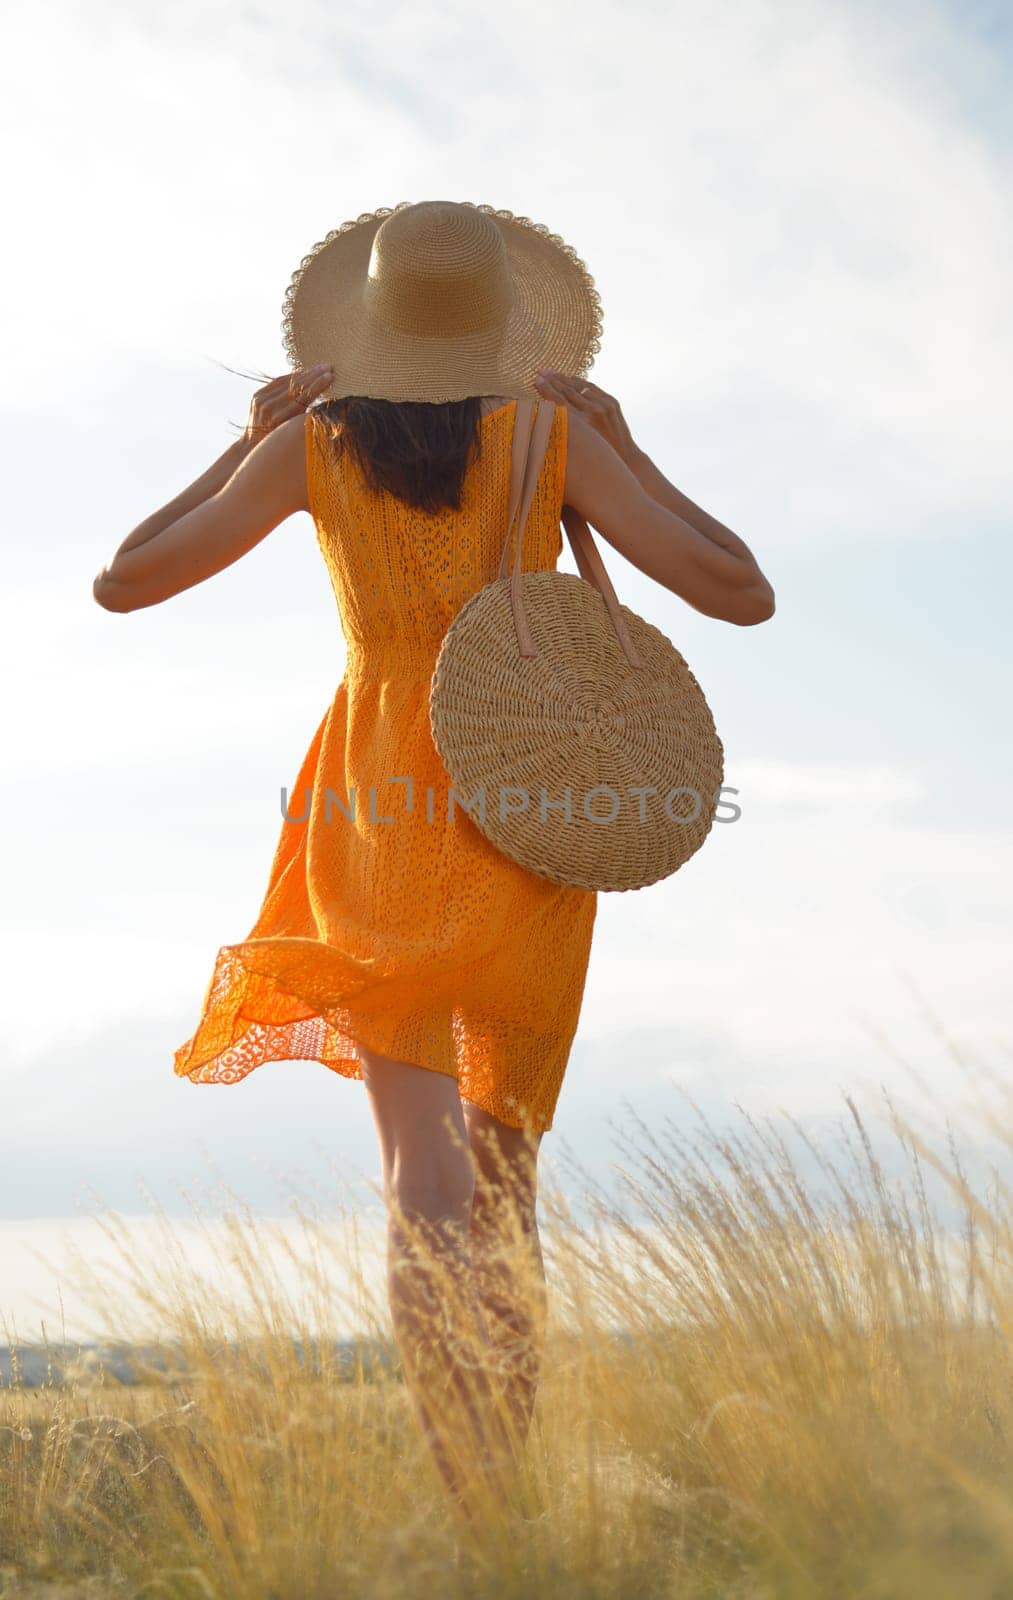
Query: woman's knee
[433,1172]
[442,1198]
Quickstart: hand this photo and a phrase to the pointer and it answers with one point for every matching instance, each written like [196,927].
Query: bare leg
[429,1182]
[506,1255]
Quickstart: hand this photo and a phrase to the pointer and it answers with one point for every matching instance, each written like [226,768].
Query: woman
[401,947]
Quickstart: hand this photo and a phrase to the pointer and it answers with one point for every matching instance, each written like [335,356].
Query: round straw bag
[573,731]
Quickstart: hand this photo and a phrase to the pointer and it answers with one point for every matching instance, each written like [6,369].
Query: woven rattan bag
[573,731]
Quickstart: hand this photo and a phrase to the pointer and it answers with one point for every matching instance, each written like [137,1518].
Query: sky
[798,217]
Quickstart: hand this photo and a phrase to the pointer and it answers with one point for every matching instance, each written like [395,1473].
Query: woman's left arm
[254,484]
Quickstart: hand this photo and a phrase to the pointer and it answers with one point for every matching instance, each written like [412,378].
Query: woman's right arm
[714,571]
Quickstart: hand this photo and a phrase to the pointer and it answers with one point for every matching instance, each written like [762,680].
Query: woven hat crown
[440,270]
[437,300]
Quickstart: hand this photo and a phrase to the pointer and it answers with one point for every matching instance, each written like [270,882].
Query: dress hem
[316,1035]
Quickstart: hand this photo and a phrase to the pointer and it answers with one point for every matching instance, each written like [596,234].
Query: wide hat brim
[554,321]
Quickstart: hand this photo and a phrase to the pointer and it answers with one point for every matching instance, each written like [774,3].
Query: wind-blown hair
[419,451]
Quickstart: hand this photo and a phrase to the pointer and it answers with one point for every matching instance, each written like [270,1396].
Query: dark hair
[417,450]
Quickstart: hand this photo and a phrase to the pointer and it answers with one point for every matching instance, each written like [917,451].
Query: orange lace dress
[389,919]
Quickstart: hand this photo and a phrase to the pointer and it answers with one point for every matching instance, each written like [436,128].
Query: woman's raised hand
[285,397]
[601,410]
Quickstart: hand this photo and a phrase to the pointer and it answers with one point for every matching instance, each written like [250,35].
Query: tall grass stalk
[754,1384]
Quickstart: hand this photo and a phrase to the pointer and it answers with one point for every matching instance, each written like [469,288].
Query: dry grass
[754,1386]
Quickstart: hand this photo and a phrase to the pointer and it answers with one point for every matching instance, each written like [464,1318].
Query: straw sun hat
[439,301]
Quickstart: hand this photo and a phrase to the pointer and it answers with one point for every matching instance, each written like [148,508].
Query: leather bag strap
[533,421]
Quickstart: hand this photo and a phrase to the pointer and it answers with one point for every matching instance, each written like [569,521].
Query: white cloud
[792,929]
[827,785]
[801,253]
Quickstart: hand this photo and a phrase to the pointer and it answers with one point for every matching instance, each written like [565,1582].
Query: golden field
[758,1381]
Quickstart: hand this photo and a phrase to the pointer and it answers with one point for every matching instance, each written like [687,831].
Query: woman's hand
[601,410]
[283,398]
